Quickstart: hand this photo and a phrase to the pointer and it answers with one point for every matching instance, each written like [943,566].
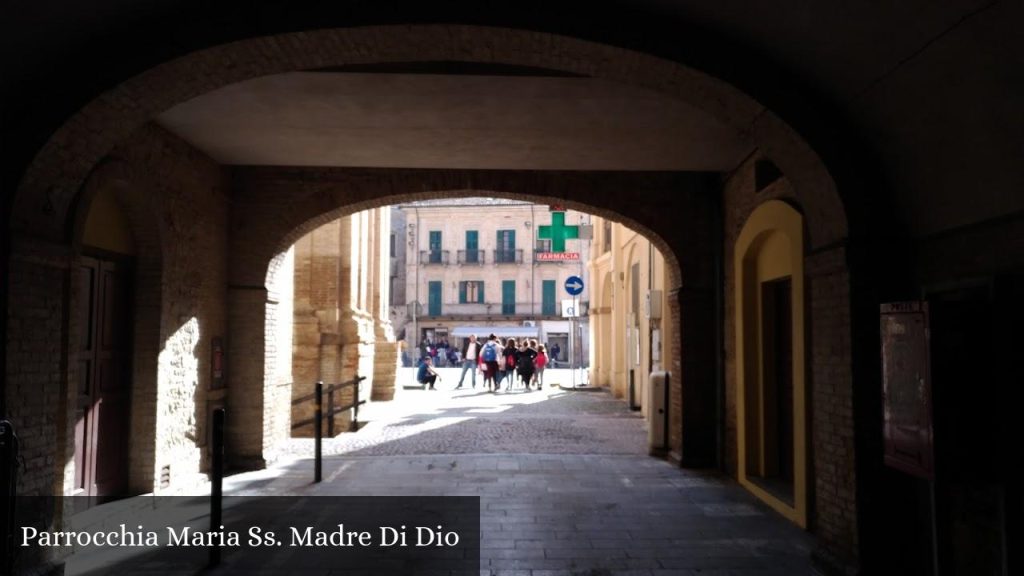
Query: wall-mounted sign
[906,388]
[217,363]
[570,309]
[557,256]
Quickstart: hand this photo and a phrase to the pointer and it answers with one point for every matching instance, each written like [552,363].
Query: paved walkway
[565,485]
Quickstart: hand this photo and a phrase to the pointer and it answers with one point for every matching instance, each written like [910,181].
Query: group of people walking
[512,362]
[515,363]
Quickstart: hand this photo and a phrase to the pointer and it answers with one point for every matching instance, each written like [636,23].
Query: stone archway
[51,182]
[288,203]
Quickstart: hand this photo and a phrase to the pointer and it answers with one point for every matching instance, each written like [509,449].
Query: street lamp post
[414,311]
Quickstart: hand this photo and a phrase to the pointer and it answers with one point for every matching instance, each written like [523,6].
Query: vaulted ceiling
[926,94]
[452,121]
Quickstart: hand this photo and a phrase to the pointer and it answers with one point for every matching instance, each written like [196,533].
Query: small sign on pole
[570,309]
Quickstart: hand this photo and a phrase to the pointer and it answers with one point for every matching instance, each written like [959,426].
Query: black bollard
[318,421]
[217,477]
[330,412]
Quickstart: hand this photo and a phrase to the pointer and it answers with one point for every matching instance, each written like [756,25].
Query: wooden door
[102,415]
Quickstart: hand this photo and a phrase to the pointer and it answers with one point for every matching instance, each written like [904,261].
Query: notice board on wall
[906,388]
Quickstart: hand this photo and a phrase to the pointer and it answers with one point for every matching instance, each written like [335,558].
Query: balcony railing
[508,256]
[434,257]
[470,256]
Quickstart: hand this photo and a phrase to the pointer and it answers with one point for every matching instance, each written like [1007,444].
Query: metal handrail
[513,256]
[331,408]
[470,257]
[318,416]
[434,257]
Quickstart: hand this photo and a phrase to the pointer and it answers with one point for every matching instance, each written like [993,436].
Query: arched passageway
[686,196]
[223,229]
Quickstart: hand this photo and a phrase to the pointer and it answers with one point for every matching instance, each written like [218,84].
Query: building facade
[481,265]
[342,326]
[628,334]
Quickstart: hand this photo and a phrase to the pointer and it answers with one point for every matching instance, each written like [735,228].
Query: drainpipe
[416,280]
[533,265]
[650,286]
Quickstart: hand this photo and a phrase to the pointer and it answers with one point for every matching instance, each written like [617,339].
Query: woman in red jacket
[539,363]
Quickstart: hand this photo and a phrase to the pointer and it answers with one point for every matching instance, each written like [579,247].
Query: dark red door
[101,429]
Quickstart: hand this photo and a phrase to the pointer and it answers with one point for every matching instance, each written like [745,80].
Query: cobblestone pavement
[474,421]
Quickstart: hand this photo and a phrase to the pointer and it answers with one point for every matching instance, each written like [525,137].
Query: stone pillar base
[385,371]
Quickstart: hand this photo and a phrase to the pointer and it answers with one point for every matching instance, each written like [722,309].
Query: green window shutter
[506,249]
[462,292]
[508,297]
[506,240]
[548,298]
[480,294]
[435,246]
[472,247]
[434,299]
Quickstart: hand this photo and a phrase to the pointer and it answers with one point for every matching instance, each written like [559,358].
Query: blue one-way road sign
[574,285]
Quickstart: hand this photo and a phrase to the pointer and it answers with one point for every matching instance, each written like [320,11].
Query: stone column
[693,390]
[351,317]
[385,357]
[246,380]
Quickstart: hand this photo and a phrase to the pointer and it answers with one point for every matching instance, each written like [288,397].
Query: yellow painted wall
[770,246]
[610,333]
[106,226]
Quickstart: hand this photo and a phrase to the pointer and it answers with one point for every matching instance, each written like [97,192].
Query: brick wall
[37,391]
[188,204]
[36,377]
[832,424]
[176,202]
[179,201]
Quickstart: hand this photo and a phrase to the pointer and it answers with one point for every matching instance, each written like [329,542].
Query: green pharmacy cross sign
[558,232]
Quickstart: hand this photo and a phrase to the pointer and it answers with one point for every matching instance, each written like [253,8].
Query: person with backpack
[508,365]
[524,363]
[539,363]
[489,355]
